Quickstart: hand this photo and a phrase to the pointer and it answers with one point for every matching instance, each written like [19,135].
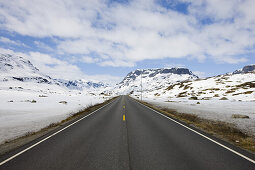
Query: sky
[105,39]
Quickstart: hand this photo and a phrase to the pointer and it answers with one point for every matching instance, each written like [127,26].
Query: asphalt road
[144,140]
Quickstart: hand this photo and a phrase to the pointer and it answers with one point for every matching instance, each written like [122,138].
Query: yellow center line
[124,117]
[124,107]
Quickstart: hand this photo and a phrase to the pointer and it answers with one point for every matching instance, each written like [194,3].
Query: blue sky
[104,40]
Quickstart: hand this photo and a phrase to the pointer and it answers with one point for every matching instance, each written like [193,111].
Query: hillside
[153,79]
[233,86]
[19,71]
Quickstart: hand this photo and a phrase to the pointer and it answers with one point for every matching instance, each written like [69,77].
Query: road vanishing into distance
[127,135]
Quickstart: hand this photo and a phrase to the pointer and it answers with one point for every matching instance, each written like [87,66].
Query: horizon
[105,40]
[114,83]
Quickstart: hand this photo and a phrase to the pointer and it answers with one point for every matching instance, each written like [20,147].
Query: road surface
[126,135]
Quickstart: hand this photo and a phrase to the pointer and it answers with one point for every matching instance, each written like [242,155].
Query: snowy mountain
[168,82]
[81,84]
[246,69]
[239,86]
[15,68]
[153,79]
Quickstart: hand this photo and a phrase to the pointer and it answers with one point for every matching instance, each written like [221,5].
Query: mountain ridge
[16,68]
[245,69]
[153,79]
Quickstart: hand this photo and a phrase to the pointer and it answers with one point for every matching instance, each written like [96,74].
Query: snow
[22,116]
[214,110]
[230,86]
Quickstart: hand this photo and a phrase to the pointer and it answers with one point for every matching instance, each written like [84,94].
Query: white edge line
[30,147]
[235,152]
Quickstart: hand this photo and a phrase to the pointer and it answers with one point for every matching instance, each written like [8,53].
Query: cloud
[42,45]
[11,42]
[89,60]
[174,65]
[7,40]
[199,74]
[121,34]
[105,78]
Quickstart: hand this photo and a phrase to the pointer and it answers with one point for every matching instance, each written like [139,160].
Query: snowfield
[214,110]
[20,115]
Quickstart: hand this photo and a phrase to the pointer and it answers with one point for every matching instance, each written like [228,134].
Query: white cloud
[105,78]
[123,34]
[42,45]
[174,65]
[199,74]
[89,60]
[9,41]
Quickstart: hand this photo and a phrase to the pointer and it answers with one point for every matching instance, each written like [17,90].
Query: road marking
[124,117]
[123,107]
[233,151]
[30,147]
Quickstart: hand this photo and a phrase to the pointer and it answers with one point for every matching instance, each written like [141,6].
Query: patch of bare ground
[247,85]
[222,130]
[239,116]
[30,136]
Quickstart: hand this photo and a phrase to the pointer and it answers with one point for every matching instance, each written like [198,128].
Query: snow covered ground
[213,110]
[26,110]
[219,98]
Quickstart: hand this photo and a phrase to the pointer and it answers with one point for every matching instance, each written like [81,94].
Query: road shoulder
[26,140]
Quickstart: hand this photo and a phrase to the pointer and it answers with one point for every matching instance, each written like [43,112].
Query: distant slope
[81,84]
[14,68]
[246,69]
[17,69]
[153,79]
[239,85]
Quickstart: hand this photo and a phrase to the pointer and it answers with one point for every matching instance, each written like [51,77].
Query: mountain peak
[16,68]
[9,63]
[153,79]
[246,69]
[156,71]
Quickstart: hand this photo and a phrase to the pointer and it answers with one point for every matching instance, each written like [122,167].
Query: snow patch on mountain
[153,79]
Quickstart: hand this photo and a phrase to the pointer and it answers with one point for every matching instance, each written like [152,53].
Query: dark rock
[245,69]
